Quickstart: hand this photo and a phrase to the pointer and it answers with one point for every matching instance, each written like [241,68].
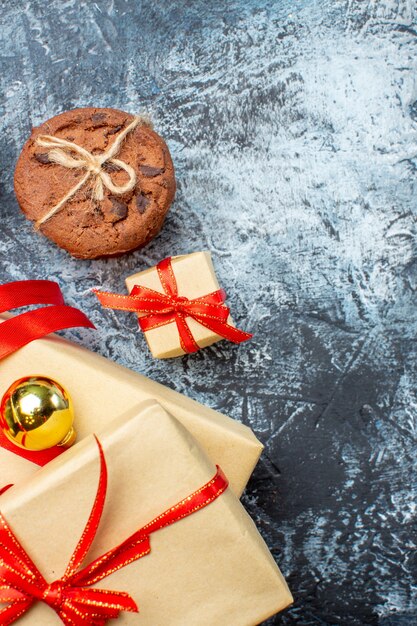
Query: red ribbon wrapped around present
[73,596]
[20,330]
[158,309]
[17,331]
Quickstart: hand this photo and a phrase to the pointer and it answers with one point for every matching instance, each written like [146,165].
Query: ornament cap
[69,439]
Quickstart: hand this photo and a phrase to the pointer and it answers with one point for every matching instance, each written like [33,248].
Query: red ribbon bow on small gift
[160,309]
[73,598]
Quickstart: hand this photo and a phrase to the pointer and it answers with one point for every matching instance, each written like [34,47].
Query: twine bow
[72,597]
[73,156]
[160,309]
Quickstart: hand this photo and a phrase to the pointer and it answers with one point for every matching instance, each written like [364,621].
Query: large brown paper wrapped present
[209,569]
[102,390]
[195,277]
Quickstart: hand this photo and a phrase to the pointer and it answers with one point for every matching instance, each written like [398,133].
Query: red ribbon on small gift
[164,308]
[72,597]
[20,330]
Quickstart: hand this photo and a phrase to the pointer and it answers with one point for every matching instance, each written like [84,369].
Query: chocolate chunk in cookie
[142,203]
[118,209]
[98,118]
[150,172]
[42,157]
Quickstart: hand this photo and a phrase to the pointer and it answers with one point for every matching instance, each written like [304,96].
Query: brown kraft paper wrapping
[102,390]
[210,569]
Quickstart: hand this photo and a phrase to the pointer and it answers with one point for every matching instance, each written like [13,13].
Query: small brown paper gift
[102,390]
[209,569]
[195,278]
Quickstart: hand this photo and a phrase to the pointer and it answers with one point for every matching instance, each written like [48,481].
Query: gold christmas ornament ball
[36,413]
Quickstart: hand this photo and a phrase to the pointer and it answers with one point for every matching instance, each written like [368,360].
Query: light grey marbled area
[293,127]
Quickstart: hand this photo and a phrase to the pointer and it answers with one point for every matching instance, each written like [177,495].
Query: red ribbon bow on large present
[163,308]
[20,330]
[72,596]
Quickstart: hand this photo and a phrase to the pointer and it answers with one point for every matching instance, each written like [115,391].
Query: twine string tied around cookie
[73,156]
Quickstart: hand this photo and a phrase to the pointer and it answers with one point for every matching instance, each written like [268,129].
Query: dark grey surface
[293,127]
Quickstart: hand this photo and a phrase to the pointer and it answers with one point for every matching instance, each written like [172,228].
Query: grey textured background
[293,127]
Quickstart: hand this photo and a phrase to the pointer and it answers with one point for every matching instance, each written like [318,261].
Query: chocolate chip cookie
[91,197]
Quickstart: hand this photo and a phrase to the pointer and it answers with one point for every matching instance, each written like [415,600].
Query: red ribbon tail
[136,547]
[88,599]
[194,502]
[187,341]
[18,331]
[12,552]
[10,594]
[93,522]
[26,292]
[231,333]
[10,614]
[140,300]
